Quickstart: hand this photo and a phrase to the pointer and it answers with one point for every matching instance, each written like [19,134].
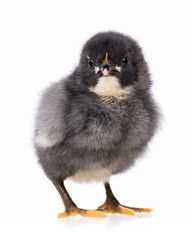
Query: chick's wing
[50,120]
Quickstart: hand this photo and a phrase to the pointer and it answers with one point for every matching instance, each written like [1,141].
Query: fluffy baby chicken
[97,121]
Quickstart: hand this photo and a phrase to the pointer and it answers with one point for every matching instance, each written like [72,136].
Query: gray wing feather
[50,124]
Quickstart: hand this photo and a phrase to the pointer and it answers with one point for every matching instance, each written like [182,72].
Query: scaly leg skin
[70,207]
[112,205]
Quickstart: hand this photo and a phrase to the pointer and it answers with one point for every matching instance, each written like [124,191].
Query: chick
[97,121]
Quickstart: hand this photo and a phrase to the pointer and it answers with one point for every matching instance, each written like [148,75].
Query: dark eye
[124,62]
[91,64]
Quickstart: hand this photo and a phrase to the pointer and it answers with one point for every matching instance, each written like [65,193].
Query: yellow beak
[105,72]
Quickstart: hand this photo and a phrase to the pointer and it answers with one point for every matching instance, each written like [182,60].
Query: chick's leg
[71,208]
[112,205]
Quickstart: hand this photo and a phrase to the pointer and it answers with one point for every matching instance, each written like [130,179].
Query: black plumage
[97,121]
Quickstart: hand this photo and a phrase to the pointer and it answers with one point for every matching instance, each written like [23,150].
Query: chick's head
[110,62]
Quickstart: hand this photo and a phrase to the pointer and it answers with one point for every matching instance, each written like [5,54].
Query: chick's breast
[93,124]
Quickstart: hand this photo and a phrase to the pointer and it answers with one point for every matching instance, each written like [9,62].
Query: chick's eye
[91,64]
[124,62]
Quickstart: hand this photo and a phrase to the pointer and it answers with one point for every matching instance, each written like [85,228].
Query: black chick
[98,120]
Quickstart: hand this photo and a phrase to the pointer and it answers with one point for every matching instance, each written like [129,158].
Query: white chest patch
[91,174]
[110,87]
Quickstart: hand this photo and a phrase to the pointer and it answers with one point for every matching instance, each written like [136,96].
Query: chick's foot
[115,207]
[74,211]
[121,209]
[112,205]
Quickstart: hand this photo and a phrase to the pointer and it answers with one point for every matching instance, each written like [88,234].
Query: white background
[40,42]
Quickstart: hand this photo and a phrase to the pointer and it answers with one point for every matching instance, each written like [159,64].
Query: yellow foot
[121,209]
[74,211]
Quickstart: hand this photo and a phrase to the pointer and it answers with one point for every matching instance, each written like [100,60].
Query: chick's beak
[105,66]
[108,70]
[105,71]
